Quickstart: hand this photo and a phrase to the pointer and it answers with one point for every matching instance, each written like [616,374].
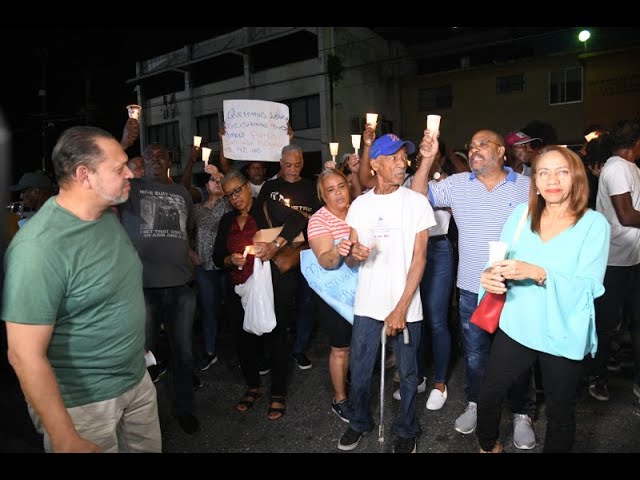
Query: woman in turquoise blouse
[551,276]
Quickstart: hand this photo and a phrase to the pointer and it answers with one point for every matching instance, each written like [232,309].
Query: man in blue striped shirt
[480,201]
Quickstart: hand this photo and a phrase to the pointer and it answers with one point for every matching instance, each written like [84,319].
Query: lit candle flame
[286,202]
[247,250]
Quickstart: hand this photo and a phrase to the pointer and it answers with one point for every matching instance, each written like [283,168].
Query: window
[304,112]
[510,84]
[207,127]
[167,134]
[435,98]
[565,86]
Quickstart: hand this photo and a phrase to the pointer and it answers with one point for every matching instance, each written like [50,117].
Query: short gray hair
[292,147]
[77,147]
[233,174]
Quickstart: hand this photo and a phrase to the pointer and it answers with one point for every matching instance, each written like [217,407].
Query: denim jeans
[435,292]
[210,294]
[365,343]
[476,344]
[174,307]
[304,315]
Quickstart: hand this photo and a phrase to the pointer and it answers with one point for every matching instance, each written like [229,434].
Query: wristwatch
[276,243]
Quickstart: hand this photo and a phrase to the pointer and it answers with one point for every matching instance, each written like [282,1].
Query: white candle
[134,111]
[286,202]
[355,141]
[372,119]
[433,124]
[196,141]
[206,152]
[168,172]
[246,252]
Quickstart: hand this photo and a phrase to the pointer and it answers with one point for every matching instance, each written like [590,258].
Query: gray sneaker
[466,423]
[524,437]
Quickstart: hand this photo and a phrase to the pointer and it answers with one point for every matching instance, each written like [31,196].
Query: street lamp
[583,36]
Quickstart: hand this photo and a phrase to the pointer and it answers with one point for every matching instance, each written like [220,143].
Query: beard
[112,199]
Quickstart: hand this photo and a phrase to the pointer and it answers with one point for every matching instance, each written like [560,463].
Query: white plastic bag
[256,296]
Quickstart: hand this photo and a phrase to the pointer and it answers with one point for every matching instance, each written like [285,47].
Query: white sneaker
[523,436]
[466,423]
[421,389]
[436,399]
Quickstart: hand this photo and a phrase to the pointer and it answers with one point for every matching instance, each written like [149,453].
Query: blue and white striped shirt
[479,215]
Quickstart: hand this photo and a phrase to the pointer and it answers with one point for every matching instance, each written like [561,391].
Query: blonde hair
[324,174]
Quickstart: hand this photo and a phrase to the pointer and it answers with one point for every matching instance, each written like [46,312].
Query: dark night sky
[106,55]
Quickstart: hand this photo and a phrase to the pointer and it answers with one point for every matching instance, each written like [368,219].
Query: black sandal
[280,411]
[249,398]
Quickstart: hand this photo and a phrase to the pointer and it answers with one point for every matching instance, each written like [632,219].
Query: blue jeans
[435,292]
[210,292]
[304,316]
[174,307]
[476,344]
[365,343]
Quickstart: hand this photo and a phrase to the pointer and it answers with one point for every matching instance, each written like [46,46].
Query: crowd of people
[123,253]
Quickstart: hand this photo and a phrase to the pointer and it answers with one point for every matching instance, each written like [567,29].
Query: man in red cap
[520,152]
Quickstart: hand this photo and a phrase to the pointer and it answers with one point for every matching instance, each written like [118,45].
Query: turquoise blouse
[558,317]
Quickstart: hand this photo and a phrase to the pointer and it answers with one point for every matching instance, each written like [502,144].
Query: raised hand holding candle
[206,152]
[196,141]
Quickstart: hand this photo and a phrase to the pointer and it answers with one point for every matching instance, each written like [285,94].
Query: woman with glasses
[236,231]
[554,271]
[204,222]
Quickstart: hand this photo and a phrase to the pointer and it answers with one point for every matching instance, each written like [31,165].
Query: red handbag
[487,314]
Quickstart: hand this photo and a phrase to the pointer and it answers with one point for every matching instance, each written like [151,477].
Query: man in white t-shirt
[389,241]
[619,200]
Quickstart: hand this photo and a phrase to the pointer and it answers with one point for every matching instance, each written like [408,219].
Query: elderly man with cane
[389,240]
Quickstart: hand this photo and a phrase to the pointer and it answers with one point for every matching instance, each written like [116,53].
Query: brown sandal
[250,397]
[276,413]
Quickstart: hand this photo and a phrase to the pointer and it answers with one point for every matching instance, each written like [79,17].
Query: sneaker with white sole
[349,439]
[436,399]
[466,423]
[524,437]
[421,389]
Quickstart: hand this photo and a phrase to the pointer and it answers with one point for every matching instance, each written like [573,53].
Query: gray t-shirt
[155,218]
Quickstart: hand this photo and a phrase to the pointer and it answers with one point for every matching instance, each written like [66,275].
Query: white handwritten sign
[255,129]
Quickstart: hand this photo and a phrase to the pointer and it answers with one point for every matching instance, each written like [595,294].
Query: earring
[537,192]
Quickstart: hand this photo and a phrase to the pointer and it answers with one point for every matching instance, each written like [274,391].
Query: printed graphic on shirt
[164,215]
[278,197]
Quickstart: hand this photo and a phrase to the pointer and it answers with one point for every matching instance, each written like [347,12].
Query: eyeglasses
[235,193]
[481,144]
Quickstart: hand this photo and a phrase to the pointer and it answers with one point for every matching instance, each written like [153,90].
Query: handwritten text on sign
[255,129]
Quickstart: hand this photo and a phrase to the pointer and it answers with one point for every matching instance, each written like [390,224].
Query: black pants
[509,359]
[249,347]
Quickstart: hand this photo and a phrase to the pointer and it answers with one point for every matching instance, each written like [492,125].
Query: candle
[134,111]
[247,251]
[372,119]
[205,154]
[355,141]
[196,141]
[286,202]
[168,172]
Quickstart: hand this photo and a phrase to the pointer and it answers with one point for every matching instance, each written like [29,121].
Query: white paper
[255,130]
[497,251]
[150,359]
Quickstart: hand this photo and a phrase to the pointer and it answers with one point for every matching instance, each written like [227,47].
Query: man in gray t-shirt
[155,218]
